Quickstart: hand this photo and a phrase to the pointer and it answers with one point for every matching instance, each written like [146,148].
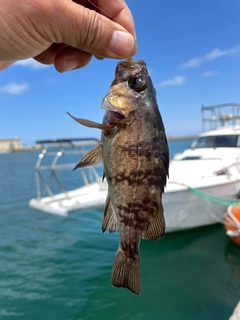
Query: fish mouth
[113,111]
[113,115]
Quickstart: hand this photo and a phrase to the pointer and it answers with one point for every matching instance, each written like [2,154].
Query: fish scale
[135,157]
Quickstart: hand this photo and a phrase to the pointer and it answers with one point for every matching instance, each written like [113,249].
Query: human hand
[64,32]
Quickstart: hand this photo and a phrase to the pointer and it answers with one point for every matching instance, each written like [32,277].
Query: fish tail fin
[126,272]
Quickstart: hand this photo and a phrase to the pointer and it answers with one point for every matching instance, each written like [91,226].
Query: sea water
[59,268]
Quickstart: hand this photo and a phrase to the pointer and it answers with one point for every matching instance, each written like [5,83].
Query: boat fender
[232,223]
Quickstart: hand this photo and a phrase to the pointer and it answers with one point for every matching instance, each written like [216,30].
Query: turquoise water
[59,268]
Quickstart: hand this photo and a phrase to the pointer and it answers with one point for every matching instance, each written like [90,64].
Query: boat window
[191,158]
[226,141]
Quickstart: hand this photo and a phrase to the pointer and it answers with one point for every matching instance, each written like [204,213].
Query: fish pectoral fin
[110,218]
[156,226]
[91,158]
[91,124]
[126,272]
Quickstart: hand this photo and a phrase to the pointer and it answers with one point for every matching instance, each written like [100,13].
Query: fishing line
[128,59]
[93,4]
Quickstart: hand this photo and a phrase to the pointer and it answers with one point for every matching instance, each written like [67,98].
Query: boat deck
[90,196]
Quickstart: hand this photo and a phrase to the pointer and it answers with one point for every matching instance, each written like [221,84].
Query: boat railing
[59,155]
[219,115]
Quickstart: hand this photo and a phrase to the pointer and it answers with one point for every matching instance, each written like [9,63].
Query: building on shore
[10,145]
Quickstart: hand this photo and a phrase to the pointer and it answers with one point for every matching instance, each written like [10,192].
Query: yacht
[203,180]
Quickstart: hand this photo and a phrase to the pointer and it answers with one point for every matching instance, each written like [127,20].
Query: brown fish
[135,156]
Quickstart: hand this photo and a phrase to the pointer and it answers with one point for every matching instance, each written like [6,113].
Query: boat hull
[184,209]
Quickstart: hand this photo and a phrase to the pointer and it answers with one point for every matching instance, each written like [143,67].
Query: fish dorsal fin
[110,218]
[91,158]
[156,226]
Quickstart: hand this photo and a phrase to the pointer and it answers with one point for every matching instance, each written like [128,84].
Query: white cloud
[217,53]
[31,63]
[14,88]
[195,62]
[210,73]
[211,56]
[176,81]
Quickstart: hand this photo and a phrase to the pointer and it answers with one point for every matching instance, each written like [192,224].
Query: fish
[135,156]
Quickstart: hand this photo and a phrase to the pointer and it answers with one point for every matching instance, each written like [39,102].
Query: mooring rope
[213,199]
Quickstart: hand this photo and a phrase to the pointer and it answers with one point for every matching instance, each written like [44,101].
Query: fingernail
[69,65]
[121,43]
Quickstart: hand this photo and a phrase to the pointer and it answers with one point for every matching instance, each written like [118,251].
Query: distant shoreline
[37,147]
[29,149]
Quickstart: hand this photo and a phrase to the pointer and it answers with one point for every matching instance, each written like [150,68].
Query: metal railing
[52,151]
[219,115]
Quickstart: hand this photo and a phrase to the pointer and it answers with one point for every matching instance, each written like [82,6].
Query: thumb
[92,32]
[5,64]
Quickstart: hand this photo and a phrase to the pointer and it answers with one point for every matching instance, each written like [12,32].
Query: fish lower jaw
[114,111]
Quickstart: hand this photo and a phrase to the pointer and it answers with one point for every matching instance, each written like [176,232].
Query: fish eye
[137,83]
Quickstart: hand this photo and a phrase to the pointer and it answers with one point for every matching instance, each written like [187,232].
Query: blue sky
[192,50]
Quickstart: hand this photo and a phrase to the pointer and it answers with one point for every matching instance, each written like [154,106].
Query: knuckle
[93,33]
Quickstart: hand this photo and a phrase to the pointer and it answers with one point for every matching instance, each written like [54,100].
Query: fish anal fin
[109,219]
[156,226]
[126,272]
[91,158]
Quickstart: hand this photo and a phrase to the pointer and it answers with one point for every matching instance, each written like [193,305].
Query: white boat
[55,159]
[203,179]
